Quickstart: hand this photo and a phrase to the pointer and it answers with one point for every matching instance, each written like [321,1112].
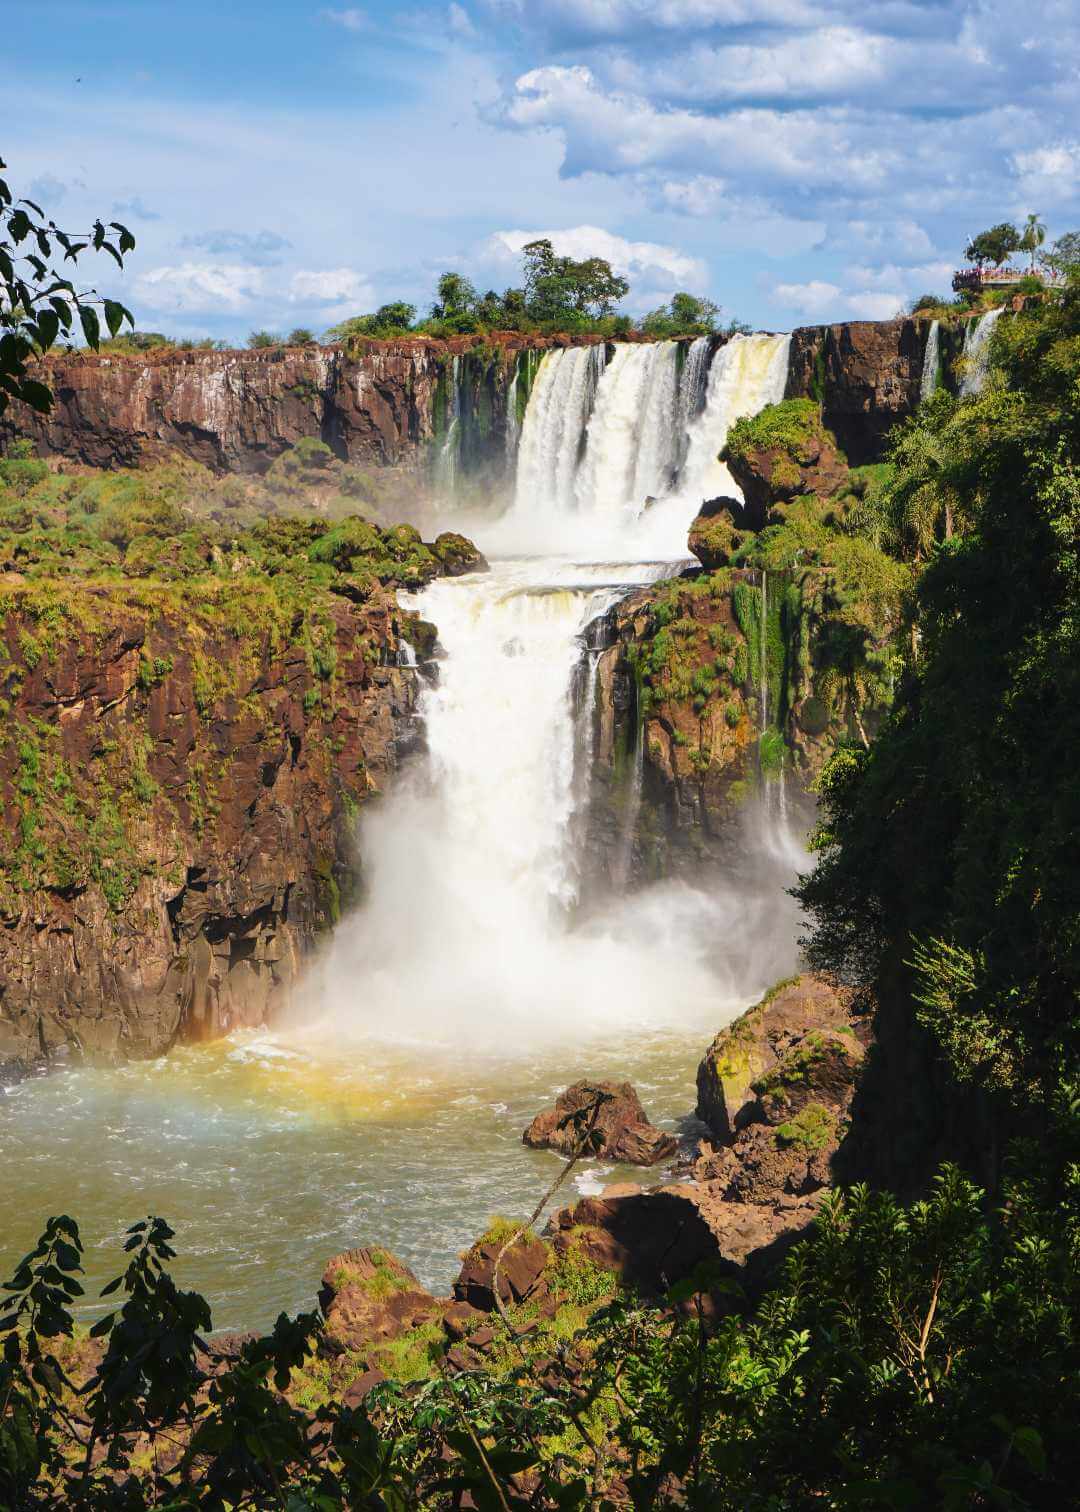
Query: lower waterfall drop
[471,866]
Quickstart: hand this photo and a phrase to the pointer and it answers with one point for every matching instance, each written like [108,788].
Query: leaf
[102,1326]
[1028,1443]
[107,1290]
[115,315]
[88,318]
[37,395]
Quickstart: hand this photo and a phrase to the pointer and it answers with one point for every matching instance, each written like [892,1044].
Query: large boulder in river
[619,1131]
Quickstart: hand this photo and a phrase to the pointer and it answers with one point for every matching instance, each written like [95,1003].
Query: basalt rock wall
[866,375]
[237,411]
[394,403]
[178,796]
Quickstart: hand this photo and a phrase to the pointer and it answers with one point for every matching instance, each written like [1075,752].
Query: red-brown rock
[620,1131]
[521,1274]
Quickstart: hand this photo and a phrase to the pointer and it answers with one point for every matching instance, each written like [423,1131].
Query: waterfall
[630,445]
[447,460]
[931,361]
[976,352]
[513,430]
[692,387]
[482,845]
[747,373]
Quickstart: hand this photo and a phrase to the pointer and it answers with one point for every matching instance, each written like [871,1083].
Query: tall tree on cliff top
[994,246]
[563,289]
[38,304]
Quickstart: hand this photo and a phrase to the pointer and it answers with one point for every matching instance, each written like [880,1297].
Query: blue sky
[285,163]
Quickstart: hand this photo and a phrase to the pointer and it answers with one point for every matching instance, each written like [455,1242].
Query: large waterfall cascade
[465,991]
[483,841]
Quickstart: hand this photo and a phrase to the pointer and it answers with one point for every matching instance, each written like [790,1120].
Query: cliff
[394,403]
[186,742]
[865,374]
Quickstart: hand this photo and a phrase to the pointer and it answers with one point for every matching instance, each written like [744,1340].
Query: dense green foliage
[38,304]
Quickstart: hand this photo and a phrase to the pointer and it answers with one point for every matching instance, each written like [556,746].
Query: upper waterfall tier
[618,452]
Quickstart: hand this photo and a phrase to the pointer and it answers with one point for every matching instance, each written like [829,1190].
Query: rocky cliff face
[178,788]
[865,374]
[393,403]
[236,411]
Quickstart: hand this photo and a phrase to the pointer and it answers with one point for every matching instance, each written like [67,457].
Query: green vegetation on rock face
[118,570]
[786,427]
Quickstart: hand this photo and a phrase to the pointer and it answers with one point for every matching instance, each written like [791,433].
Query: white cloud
[651,266]
[191,287]
[1050,173]
[611,132]
[330,286]
[875,306]
[813,298]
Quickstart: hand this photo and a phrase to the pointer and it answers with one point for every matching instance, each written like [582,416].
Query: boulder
[714,537]
[521,1274]
[780,454]
[368,1297]
[621,1131]
[653,1240]
[750,1049]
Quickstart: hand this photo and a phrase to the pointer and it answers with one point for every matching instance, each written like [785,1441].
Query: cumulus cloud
[197,288]
[612,132]
[330,286]
[1049,173]
[814,298]
[654,270]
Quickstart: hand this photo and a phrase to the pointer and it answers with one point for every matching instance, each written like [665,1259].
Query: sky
[288,164]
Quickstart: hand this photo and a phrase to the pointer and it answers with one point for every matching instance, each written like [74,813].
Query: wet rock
[866,375]
[621,1130]
[457,554]
[239,854]
[714,537]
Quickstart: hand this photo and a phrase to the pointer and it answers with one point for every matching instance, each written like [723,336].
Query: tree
[564,289]
[456,295]
[1034,235]
[686,315]
[301,336]
[1064,254]
[259,339]
[37,303]
[994,246]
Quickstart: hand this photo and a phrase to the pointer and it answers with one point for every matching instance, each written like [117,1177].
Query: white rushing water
[931,361]
[976,352]
[468,930]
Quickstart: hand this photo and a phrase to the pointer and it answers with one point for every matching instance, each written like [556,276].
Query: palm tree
[1033,237]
